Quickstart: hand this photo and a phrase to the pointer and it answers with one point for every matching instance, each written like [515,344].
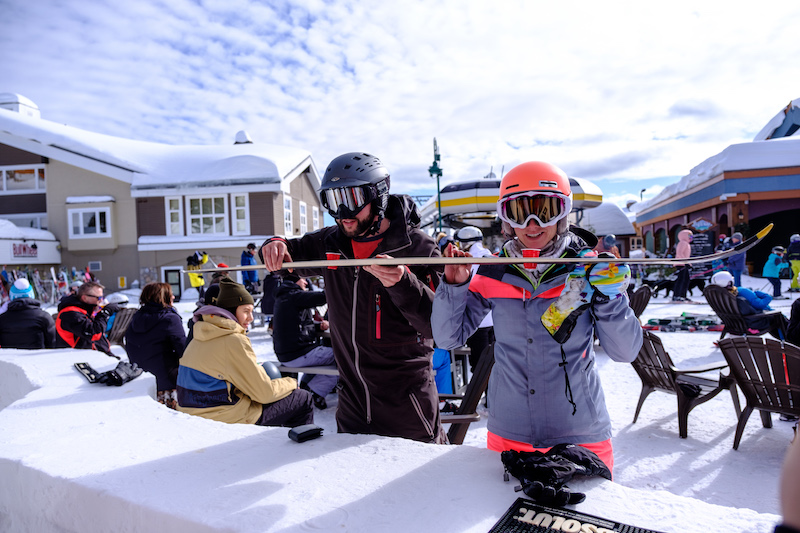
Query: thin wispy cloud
[625,90]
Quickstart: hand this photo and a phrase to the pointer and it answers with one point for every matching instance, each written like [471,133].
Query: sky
[150,468]
[630,95]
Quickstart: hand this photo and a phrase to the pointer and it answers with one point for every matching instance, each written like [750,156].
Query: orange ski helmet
[535,190]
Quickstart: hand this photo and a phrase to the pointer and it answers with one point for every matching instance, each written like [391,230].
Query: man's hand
[456,274]
[324,325]
[387,275]
[275,253]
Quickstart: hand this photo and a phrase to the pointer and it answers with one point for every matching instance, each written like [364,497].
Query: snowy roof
[89,199]
[10,231]
[755,155]
[147,165]
[607,218]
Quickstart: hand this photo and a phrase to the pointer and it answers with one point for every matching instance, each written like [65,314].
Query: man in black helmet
[379,315]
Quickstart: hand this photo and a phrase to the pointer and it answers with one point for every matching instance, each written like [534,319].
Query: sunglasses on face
[545,210]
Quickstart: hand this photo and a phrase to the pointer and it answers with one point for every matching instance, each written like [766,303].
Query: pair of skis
[494,260]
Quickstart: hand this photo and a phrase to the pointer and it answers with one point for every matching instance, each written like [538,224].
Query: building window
[314,217]
[89,223]
[241,214]
[303,218]
[174,216]
[28,220]
[22,179]
[287,216]
[207,215]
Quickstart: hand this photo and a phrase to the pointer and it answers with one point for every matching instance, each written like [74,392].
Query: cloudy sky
[630,94]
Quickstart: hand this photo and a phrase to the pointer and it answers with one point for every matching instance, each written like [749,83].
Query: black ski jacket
[76,324]
[294,332]
[26,326]
[155,340]
[381,337]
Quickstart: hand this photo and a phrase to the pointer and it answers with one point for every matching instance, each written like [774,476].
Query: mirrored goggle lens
[547,210]
[351,198]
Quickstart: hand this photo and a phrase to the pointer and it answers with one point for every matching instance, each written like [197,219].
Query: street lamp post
[435,170]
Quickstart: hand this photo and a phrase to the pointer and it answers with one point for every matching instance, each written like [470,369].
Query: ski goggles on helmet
[346,202]
[545,209]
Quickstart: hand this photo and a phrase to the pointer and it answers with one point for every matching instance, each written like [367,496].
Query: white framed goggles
[545,209]
[346,202]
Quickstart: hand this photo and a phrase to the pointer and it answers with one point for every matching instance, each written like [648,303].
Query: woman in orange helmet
[544,389]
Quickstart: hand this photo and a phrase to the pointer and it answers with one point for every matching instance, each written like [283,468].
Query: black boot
[319,401]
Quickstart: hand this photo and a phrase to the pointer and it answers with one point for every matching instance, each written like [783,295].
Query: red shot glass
[332,256]
[530,252]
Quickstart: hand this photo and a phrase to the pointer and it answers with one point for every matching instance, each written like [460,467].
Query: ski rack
[494,260]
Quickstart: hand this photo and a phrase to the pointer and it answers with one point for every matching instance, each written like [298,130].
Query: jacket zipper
[377,316]
[420,414]
[357,354]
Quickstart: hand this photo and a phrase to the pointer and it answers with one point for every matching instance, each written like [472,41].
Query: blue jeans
[737,278]
[320,383]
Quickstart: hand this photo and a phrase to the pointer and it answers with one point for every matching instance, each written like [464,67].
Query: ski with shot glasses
[530,258]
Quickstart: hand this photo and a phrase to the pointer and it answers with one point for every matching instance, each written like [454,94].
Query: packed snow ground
[82,457]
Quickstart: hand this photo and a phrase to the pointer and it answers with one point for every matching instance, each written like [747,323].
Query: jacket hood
[212,310]
[685,235]
[216,326]
[24,303]
[403,205]
[286,287]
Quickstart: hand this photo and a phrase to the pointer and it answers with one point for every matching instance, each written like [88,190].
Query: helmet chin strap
[376,225]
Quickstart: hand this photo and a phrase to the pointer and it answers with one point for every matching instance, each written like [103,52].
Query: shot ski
[493,260]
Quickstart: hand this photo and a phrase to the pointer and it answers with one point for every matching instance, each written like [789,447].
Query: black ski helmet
[350,182]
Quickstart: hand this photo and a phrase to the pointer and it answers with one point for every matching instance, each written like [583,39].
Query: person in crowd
[752,305]
[269,286]
[379,315]
[25,325]
[470,240]
[544,388]
[216,276]
[73,289]
[736,262]
[608,244]
[683,250]
[793,256]
[219,377]
[155,340]
[793,329]
[250,277]
[296,335]
[81,321]
[772,271]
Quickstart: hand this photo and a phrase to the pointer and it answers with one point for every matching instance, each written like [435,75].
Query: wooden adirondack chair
[639,299]
[768,373]
[467,411]
[727,309]
[657,372]
[121,322]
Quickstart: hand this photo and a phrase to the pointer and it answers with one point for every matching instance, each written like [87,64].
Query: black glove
[110,309]
[550,495]
[124,372]
[543,476]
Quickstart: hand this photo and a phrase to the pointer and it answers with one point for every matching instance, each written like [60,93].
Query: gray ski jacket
[532,395]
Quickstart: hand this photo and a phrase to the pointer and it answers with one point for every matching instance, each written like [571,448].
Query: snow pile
[81,457]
